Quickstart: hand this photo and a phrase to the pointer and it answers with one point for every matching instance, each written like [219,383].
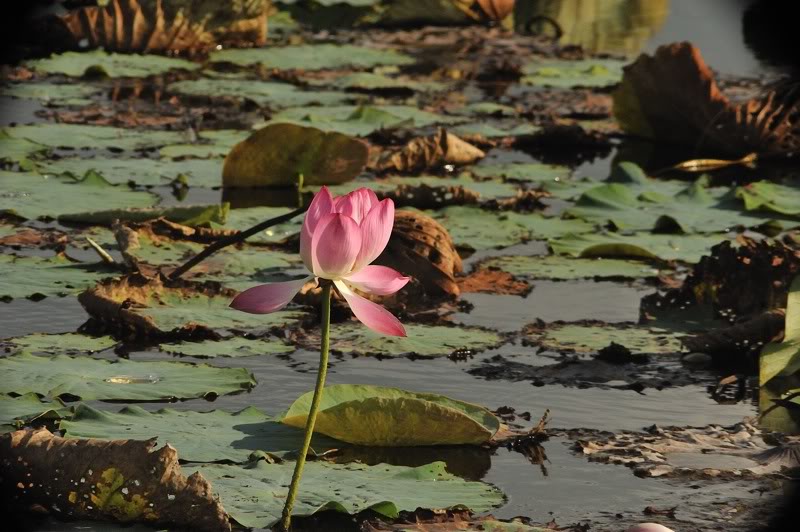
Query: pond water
[566,487]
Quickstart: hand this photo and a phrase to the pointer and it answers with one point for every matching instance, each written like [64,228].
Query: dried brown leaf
[672,97]
[119,480]
[431,153]
[497,9]
[493,281]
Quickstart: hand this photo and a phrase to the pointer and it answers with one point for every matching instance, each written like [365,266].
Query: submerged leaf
[311,57]
[113,65]
[262,93]
[647,246]
[391,417]
[55,276]
[592,338]
[52,344]
[564,268]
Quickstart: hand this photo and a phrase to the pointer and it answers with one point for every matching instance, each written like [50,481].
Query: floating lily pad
[142,171]
[370,81]
[770,197]
[77,136]
[782,359]
[475,228]
[391,417]
[51,93]
[695,209]
[233,347]
[242,219]
[28,407]
[311,57]
[209,144]
[363,120]
[20,151]
[32,195]
[422,340]
[531,172]
[36,277]
[95,379]
[648,246]
[564,268]
[225,436]
[254,495]
[113,65]
[175,313]
[487,108]
[495,129]
[563,73]
[191,215]
[61,344]
[262,93]
[592,338]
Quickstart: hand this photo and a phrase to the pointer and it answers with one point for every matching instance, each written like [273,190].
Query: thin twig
[108,259]
[233,239]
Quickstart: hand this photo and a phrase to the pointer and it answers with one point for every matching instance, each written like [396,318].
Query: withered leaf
[432,152]
[155,25]
[423,249]
[672,97]
[119,480]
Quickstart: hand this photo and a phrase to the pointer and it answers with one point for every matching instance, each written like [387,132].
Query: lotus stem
[286,518]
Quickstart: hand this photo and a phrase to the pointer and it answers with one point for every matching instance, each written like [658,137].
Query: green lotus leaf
[35,277]
[226,436]
[253,494]
[51,93]
[647,246]
[233,347]
[475,228]
[122,380]
[564,73]
[191,215]
[141,171]
[78,136]
[391,417]
[262,93]
[32,195]
[422,340]
[209,144]
[581,338]
[634,202]
[782,359]
[770,197]
[311,57]
[361,120]
[20,151]
[113,65]
[565,268]
[370,81]
[15,411]
[70,343]
[531,172]
[495,128]
[242,219]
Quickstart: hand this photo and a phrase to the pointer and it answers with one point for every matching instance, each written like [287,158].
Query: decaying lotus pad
[713,451]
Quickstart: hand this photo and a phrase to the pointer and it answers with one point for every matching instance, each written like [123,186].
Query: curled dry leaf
[672,97]
[125,481]
[159,26]
[429,153]
[422,248]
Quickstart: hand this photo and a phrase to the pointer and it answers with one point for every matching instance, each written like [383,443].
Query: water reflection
[469,462]
[597,26]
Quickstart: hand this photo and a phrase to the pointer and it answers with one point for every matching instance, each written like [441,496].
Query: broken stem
[108,259]
[234,239]
[286,518]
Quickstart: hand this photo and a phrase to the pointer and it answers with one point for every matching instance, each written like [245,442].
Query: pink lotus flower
[340,238]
